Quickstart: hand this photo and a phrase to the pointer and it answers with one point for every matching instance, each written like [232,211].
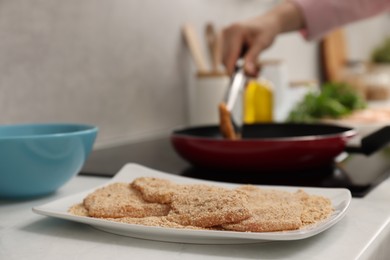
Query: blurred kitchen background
[124,66]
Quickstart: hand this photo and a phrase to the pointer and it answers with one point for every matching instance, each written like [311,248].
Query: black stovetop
[358,173]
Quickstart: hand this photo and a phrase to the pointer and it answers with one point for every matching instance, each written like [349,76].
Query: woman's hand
[249,38]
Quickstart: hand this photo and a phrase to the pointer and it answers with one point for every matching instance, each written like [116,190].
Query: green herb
[334,101]
[382,53]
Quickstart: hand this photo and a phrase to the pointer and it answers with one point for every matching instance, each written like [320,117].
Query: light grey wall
[119,64]
[364,36]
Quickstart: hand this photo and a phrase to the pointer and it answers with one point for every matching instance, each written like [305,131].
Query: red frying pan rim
[343,134]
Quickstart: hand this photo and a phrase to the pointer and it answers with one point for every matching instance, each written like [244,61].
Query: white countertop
[364,233]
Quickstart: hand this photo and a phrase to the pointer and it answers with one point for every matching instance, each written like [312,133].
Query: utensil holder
[208,92]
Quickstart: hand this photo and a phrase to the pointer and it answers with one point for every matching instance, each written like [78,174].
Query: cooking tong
[233,96]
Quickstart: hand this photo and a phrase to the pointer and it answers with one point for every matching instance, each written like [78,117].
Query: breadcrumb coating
[158,202]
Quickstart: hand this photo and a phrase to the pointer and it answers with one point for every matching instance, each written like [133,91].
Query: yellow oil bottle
[258,101]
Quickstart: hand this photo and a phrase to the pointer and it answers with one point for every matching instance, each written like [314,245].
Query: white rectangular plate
[340,198]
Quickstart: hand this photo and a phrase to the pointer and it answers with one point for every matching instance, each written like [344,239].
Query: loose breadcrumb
[79,210]
[152,221]
[315,208]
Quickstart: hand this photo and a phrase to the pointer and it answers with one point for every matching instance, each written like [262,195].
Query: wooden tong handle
[194,46]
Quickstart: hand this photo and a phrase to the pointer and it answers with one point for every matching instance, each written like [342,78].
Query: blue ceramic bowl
[37,159]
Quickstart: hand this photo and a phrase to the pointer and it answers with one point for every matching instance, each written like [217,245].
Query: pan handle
[372,142]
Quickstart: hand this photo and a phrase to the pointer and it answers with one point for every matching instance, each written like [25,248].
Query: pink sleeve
[321,16]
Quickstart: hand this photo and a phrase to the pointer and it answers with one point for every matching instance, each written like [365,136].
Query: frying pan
[272,147]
